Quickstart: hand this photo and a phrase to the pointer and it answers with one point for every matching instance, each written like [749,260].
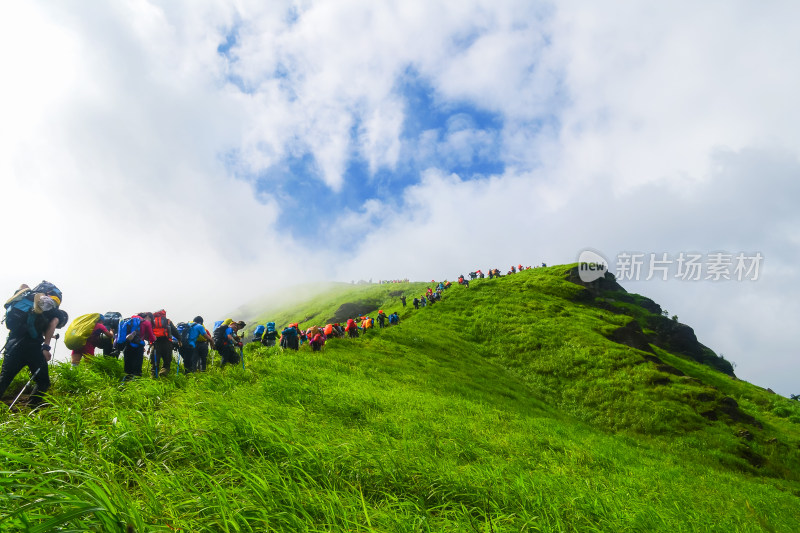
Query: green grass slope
[505,407]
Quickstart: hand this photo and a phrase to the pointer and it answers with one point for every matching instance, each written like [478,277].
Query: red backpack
[161,325]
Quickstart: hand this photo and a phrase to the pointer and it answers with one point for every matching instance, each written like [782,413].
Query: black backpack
[220,338]
[111,320]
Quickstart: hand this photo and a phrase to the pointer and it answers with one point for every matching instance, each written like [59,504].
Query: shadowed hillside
[525,403]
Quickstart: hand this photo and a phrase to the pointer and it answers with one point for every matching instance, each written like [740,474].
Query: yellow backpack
[80,330]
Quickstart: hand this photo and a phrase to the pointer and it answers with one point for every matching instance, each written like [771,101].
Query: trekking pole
[241,354]
[53,353]
[23,389]
[177,363]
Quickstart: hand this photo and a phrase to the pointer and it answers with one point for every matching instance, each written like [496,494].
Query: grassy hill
[526,403]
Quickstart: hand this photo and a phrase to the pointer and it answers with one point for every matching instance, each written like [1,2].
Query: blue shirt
[195,330]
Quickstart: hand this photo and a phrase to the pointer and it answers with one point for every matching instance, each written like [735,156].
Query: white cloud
[118,187]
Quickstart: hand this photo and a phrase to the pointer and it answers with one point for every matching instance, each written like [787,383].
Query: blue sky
[309,208]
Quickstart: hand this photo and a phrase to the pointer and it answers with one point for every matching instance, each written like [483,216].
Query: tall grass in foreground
[427,426]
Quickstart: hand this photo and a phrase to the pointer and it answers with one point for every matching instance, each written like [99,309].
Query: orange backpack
[161,325]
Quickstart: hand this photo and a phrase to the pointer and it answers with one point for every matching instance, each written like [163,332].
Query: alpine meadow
[530,402]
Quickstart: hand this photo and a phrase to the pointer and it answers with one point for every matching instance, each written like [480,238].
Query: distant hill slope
[525,403]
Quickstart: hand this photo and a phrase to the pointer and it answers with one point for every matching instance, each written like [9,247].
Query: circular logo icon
[591,265]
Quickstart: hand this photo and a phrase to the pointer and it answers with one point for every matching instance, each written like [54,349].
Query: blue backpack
[270,327]
[183,332]
[130,332]
[259,331]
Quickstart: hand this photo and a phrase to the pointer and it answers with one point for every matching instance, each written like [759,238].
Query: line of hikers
[155,331]
[33,314]
[495,272]
[292,337]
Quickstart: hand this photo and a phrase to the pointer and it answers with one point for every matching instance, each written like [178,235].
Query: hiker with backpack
[227,341]
[189,351]
[32,317]
[351,328]
[270,335]
[366,324]
[290,337]
[381,319]
[415,301]
[202,345]
[316,339]
[83,336]
[186,352]
[258,333]
[106,343]
[403,300]
[394,319]
[161,351]
[338,330]
[301,335]
[133,333]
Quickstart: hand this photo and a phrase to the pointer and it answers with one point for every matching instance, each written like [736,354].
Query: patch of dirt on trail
[353,309]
